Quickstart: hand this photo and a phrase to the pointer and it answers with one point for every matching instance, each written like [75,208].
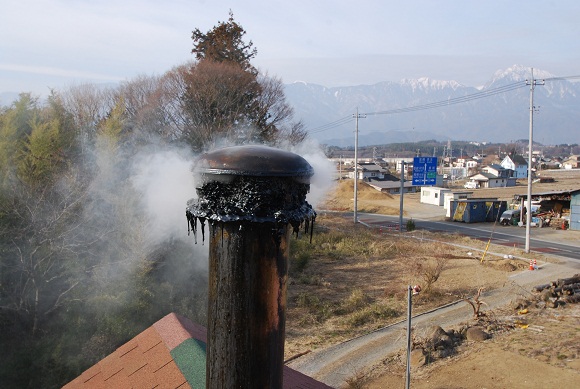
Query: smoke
[322,182]
[165,182]
[139,194]
[136,206]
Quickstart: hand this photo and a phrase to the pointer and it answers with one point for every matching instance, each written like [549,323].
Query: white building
[368,170]
[433,195]
[518,164]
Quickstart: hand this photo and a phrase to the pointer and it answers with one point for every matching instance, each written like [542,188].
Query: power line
[439,104]
[562,78]
[455,100]
[331,125]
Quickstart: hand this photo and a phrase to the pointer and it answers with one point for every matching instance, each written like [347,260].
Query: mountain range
[423,109]
[413,110]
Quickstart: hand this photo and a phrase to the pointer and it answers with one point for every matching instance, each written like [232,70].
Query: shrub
[428,271]
[370,314]
[299,262]
[357,300]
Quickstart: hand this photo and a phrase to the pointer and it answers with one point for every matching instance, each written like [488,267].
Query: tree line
[79,274]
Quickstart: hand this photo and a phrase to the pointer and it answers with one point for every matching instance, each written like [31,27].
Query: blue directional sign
[424,170]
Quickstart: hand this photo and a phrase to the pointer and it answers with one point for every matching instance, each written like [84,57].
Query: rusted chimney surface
[251,197]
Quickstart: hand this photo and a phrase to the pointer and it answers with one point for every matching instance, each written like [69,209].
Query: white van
[470,185]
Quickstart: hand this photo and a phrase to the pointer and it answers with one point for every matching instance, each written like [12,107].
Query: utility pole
[532,83]
[402,190]
[356,116]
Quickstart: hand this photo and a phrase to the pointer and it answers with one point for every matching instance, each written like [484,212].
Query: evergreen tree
[224,43]
[226,99]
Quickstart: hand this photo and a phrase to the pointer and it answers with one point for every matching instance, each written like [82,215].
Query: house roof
[551,193]
[169,354]
[380,184]
[483,176]
[518,160]
[495,167]
[370,166]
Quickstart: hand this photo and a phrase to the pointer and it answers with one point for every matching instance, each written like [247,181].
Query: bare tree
[273,112]
[428,271]
[171,92]
[219,100]
[475,304]
[88,104]
[40,249]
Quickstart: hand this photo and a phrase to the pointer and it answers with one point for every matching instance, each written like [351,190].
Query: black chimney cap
[254,160]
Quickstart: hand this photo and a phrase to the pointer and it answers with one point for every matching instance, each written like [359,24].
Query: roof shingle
[169,354]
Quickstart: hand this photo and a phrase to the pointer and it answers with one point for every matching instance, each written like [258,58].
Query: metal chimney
[251,197]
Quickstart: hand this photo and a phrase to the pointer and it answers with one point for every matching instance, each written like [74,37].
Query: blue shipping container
[477,211]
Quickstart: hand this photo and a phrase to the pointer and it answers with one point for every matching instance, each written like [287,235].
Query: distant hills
[423,109]
[412,110]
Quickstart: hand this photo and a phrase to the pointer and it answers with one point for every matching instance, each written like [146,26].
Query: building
[564,206]
[494,176]
[397,162]
[517,164]
[393,187]
[497,170]
[369,170]
[575,210]
[433,195]
[488,180]
[169,354]
[572,162]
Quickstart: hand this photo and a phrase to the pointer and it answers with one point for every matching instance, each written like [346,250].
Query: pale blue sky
[54,43]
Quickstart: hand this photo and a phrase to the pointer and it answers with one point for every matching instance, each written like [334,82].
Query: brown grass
[369,200]
[352,280]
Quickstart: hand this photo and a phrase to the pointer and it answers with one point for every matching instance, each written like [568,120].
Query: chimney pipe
[250,197]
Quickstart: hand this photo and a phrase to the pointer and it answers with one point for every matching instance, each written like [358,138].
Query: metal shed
[565,203]
[575,210]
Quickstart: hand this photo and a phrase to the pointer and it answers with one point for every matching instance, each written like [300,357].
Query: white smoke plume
[165,182]
[323,180]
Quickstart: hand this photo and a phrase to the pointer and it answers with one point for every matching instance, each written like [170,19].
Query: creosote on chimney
[249,195]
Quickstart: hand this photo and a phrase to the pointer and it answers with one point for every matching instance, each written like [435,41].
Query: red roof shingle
[146,361]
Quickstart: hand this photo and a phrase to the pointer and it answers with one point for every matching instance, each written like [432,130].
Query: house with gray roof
[517,164]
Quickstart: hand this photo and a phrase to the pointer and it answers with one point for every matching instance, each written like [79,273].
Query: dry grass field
[352,280]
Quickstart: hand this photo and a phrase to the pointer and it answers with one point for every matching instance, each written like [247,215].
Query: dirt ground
[538,349]
[544,354]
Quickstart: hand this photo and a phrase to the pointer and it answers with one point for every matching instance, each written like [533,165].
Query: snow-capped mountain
[432,109]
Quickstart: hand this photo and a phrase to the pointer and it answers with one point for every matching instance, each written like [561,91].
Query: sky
[53,44]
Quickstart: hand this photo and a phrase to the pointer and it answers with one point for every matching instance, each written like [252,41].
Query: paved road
[544,240]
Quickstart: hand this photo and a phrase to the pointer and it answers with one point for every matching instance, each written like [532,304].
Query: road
[543,240]
[335,364]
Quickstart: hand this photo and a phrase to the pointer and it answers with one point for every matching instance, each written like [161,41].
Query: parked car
[510,217]
[470,185]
